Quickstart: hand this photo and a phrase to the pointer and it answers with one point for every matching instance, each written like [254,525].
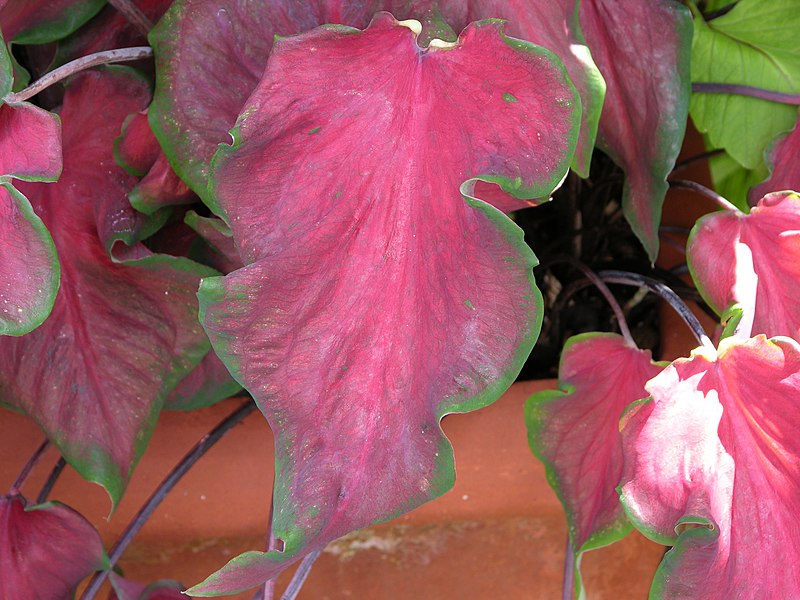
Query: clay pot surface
[499,533]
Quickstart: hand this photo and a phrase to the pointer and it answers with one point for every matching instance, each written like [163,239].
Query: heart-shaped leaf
[784,167]
[711,468]
[751,45]
[121,335]
[375,300]
[642,48]
[45,550]
[753,260]
[574,431]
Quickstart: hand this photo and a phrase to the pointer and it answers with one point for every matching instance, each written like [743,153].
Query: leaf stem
[300,575]
[569,572]
[704,87]
[132,13]
[686,162]
[603,289]
[169,482]
[635,279]
[26,470]
[703,190]
[51,480]
[79,64]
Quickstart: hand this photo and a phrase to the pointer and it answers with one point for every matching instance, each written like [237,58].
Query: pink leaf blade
[100,392]
[136,149]
[30,143]
[711,467]
[46,550]
[189,125]
[160,188]
[752,260]
[781,157]
[575,431]
[29,268]
[353,324]
[553,25]
[642,49]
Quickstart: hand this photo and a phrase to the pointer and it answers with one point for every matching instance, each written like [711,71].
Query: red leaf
[138,152]
[45,550]
[41,21]
[136,149]
[642,48]
[29,269]
[217,236]
[752,260]
[711,467]
[575,432]
[200,94]
[784,167]
[120,337]
[552,24]
[30,143]
[125,589]
[375,300]
[30,148]
[108,30]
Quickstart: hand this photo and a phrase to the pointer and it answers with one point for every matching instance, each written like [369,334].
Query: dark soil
[584,221]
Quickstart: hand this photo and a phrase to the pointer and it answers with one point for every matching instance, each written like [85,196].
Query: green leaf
[754,44]
[732,180]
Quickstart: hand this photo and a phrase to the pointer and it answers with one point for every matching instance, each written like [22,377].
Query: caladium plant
[310,201]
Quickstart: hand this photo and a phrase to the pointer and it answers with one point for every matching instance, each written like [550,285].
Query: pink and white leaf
[712,468]
[752,260]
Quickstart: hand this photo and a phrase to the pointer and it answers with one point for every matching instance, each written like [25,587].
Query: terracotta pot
[499,533]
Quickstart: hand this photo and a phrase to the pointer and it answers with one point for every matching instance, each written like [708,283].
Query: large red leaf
[95,374]
[711,468]
[642,48]
[200,94]
[45,550]
[375,300]
[753,260]
[574,430]
[784,167]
